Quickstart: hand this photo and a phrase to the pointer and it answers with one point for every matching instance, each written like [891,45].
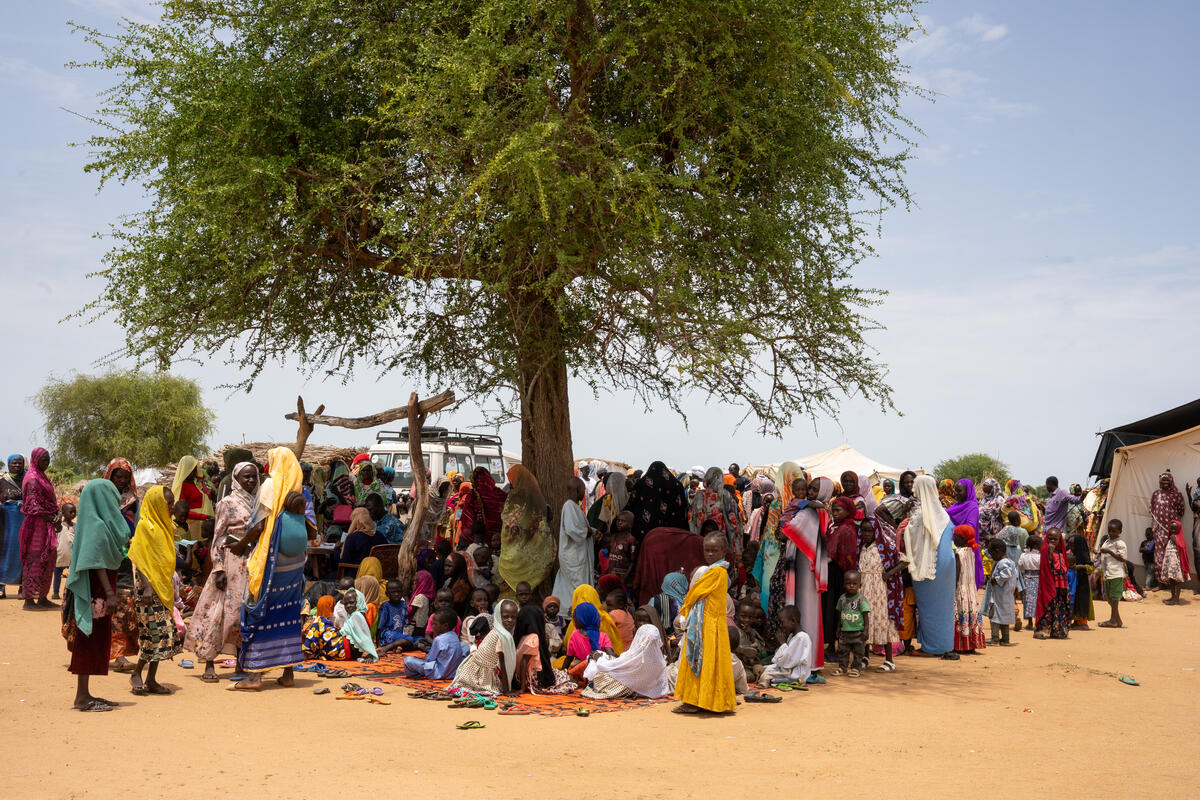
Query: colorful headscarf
[675,586]
[325,606]
[946,492]
[152,549]
[587,617]
[968,534]
[100,536]
[283,478]
[37,491]
[422,587]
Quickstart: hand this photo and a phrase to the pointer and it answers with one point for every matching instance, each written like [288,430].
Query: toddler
[555,625]
[66,538]
[852,621]
[999,598]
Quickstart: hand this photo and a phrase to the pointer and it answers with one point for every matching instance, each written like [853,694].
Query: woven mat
[390,670]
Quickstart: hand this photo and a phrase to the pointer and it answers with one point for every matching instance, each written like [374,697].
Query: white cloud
[982,29]
[17,74]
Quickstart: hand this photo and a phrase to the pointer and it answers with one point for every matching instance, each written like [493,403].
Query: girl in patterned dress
[879,564]
[968,616]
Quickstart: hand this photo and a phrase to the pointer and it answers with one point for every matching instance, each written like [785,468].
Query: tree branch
[427,406]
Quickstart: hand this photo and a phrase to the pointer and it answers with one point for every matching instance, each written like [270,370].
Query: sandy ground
[1044,713]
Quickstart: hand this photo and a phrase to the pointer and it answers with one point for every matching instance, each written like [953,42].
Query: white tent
[1135,472]
[832,463]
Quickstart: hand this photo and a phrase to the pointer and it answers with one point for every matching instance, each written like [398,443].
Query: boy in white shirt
[1112,553]
[793,659]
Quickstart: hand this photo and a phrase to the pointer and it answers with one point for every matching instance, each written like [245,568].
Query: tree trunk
[545,414]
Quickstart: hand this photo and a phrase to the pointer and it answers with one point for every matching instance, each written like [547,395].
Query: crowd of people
[705,584]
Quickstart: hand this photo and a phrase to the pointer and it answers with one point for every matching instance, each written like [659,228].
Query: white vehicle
[444,451]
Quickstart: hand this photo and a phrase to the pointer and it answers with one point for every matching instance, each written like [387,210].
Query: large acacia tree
[496,195]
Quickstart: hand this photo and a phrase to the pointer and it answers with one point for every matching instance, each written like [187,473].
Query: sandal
[94,705]
[379,701]
[838,671]
[210,678]
[139,691]
[470,725]
[124,669]
[322,690]
[816,679]
[1126,679]
[160,690]
[514,710]
[186,664]
[886,666]
[582,712]
[759,697]
[335,673]
[852,673]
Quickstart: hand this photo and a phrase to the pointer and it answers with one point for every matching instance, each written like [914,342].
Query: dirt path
[933,726]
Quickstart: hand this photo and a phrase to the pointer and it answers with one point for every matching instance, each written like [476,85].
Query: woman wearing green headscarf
[101,534]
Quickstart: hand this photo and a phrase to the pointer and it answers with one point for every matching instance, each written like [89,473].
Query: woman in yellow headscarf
[705,679]
[586,593]
[271,625]
[152,551]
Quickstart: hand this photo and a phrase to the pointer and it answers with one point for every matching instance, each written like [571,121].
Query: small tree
[148,418]
[975,466]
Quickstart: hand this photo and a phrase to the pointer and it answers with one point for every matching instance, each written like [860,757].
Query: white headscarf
[641,668]
[508,648]
[924,531]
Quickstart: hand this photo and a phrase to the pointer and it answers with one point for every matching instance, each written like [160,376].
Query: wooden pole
[407,559]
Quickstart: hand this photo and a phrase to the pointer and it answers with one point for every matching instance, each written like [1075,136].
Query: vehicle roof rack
[438,435]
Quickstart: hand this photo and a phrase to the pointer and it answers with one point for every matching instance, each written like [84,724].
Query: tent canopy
[1166,423]
[1135,472]
[832,463]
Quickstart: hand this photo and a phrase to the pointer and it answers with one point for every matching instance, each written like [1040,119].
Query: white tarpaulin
[832,463]
[1135,473]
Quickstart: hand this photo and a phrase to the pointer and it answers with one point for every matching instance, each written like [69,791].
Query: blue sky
[1043,286]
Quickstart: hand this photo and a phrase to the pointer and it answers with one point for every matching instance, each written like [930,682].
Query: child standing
[853,619]
[793,660]
[1030,567]
[1112,570]
[555,624]
[1053,608]
[1146,548]
[1082,609]
[968,619]
[1013,536]
[879,564]
[66,538]
[999,599]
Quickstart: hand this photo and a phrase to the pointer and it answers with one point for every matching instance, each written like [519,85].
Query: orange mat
[390,670]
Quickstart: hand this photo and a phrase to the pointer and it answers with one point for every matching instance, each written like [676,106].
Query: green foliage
[670,197]
[975,466]
[148,418]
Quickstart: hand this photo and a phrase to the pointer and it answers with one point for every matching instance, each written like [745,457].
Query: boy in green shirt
[853,619]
